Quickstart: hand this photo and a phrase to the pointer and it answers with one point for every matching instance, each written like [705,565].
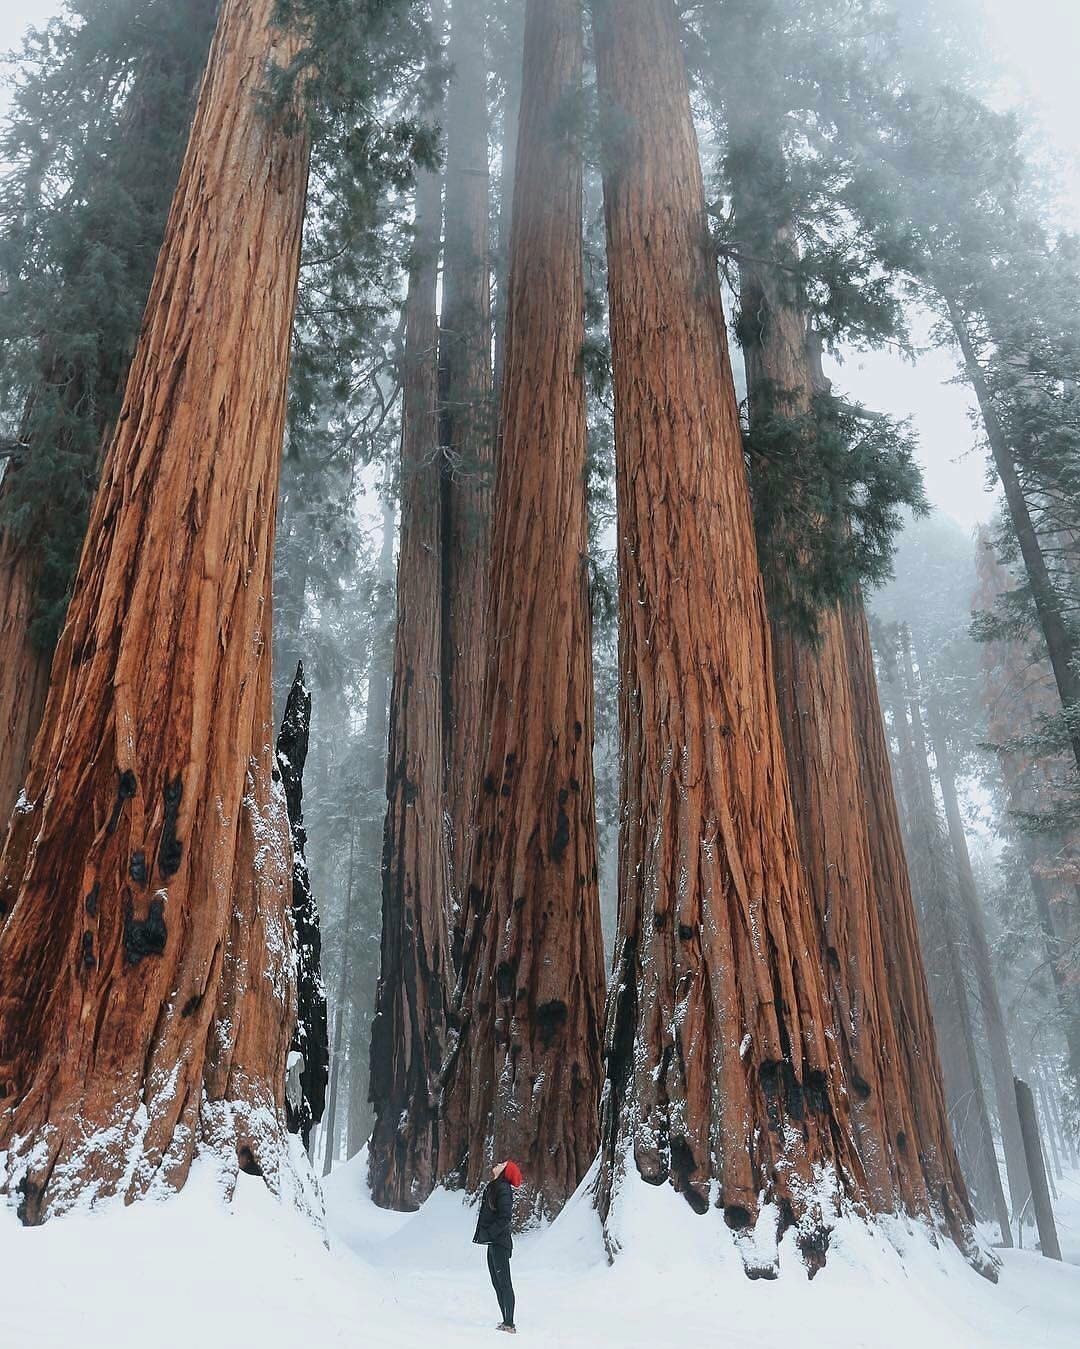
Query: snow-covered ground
[191,1272]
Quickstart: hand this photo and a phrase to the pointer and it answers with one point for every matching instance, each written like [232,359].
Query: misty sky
[1037,63]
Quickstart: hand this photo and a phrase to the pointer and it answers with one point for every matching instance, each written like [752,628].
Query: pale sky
[1037,55]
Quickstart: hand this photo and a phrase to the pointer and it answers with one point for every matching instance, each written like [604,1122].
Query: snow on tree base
[254,1273]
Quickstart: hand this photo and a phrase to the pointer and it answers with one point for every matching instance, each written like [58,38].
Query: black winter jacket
[496,1215]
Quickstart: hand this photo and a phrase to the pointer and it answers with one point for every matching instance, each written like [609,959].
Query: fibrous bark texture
[408,1031]
[722,1076]
[309,1053]
[147,996]
[468,424]
[161,91]
[817,722]
[930,1140]
[523,1075]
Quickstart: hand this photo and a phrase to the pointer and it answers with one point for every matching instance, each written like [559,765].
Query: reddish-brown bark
[524,1074]
[96,381]
[147,994]
[408,1032]
[931,1140]
[468,424]
[720,1065]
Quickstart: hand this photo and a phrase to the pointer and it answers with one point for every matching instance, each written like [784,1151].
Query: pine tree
[145,886]
[523,1071]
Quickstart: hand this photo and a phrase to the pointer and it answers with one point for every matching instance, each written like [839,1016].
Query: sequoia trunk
[408,1032]
[920,1066]
[468,429]
[817,720]
[720,1063]
[523,1078]
[145,964]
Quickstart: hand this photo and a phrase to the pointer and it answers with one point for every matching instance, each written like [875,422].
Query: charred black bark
[305,1097]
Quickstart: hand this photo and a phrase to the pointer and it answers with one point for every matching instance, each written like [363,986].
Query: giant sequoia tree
[147,993]
[720,1061]
[719,1066]
[523,1075]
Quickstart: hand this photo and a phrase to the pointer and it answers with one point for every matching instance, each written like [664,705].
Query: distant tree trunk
[468,429]
[337,1056]
[369,824]
[993,1016]
[409,1028]
[1061,645]
[1044,1212]
[933,875]
[720,1063]
[508,162]
[523,1077]
[147,994]
[25,656]
[920,1064]
[304,1104]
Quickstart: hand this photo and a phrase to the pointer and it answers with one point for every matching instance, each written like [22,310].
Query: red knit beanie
[512,1172]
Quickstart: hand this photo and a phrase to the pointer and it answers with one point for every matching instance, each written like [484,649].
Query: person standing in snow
[493,1231]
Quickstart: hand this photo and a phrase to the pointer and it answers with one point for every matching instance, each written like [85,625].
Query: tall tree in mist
[523,1075]
[409,1029]
[81,217]
[145,961]
[807,519]
[468,427]
[718,1064]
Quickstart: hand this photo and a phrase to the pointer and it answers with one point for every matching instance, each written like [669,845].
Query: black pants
[499,1269]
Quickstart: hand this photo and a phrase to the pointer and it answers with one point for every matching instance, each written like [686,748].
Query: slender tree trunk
[1044,1212]
[409,1028]
[1061,645]
[25,654]
[468,430]
[336,1058]
[932,1141]
[720,1063]
[148,998]
[523,1079]
[993,1016]
[1047,1131]
[373,788]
